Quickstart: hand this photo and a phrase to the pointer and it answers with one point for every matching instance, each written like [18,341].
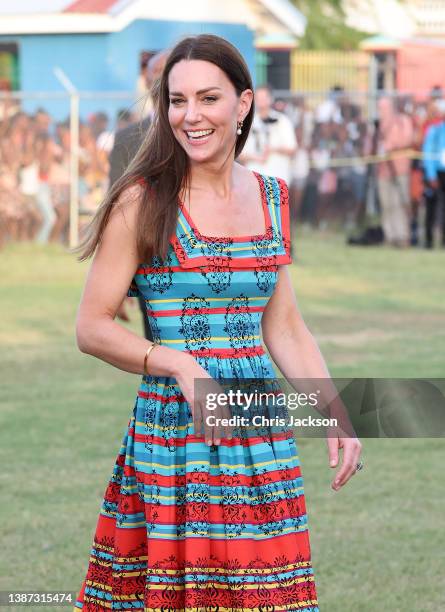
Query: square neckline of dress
[245,238]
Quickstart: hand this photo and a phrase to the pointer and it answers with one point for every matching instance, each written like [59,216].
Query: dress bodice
[208,296]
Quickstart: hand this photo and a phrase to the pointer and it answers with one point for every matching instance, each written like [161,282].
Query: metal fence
[318,71]
[54,156]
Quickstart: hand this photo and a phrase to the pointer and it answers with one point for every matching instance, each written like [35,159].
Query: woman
[186,525]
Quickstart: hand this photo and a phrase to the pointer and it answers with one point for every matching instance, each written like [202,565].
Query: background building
[409,42]
[98,43]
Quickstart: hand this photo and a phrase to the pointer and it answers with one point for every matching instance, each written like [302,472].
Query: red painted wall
[420,67]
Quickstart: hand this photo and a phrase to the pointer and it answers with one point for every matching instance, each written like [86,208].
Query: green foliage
[326,27]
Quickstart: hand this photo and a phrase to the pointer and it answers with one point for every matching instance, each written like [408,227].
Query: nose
[192,113]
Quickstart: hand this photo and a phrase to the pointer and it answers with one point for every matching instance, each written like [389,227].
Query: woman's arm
[295,351]
[108,279]
[97,332]
[289,341]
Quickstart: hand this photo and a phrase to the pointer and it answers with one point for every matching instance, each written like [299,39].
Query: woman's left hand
[352,449]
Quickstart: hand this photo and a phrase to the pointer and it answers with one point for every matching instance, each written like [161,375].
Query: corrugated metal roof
[90,6]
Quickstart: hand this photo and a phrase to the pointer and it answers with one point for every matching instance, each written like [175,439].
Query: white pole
[372,87]
[74,170]
[74,155]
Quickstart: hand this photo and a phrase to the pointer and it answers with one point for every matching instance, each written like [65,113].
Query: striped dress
[187,526]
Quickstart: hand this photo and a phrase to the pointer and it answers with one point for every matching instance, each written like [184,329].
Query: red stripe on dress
[189,263]
[209,311]
[229,352]
[204,269]
[276,510]
[287,547]
[177,442]
[178,480]
[224,353]
[158,269]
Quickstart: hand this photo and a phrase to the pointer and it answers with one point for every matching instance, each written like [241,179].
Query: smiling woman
[198,516]
[198,90]
[201,117]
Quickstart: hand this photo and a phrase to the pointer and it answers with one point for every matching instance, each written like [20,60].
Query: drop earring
[239,130]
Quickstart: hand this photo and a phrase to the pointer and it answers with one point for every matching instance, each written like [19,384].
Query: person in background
[436,92]
[271,144]
[98,123]
[393,175]
[128,140]
[323,149]
[427,116]
[44,152]
[93,169]
[126,144]
[433,149]
[9,106]
[16,149]
[28,185]
[14,212]
[59,179]
[143,105]
[361,173]
[10,217]
[419,115]
[124,118]
[349,140]
[42,122]
[281,105]
[300,173]
[330,109]
[302,117]
[103,134]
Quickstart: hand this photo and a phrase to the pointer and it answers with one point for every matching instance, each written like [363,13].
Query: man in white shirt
[271,144]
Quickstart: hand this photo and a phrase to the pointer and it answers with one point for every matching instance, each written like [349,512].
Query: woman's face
[204,109]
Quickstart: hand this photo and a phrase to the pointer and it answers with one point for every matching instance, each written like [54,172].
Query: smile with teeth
[198,134]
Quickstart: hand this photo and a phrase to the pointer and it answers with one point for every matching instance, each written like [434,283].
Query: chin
[201,156]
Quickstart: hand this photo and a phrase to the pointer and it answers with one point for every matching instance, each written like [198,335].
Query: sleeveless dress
[187,526]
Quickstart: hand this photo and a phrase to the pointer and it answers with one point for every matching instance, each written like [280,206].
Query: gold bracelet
[150,348]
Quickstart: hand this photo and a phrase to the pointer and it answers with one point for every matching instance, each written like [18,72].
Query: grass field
[377,544]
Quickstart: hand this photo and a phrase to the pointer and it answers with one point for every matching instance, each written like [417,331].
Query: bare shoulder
[116,258]
[246,177]
[126,208]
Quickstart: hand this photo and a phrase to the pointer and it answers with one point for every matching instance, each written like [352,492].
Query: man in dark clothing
[126,144]
[433,149]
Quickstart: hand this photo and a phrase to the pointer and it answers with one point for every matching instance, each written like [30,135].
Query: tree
[326,27]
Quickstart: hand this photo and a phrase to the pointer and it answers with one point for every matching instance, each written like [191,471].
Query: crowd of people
[327,153]
[35,173]
[334,157]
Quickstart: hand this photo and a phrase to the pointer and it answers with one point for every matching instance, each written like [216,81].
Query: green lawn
[377,544]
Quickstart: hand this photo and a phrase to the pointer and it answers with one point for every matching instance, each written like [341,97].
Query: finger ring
[359,466]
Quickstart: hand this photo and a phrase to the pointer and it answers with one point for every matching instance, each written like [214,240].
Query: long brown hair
[161,161]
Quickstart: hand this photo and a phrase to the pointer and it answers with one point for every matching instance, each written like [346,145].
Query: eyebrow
[201,91]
